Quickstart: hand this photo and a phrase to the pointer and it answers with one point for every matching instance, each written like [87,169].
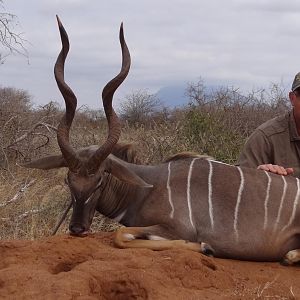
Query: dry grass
[32,201]
[267,291]
[30,211]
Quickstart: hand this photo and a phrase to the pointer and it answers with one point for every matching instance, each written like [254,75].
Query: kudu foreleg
[153,238]
[291,258]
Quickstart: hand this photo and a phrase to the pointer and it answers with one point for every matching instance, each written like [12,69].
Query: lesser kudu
[191,203]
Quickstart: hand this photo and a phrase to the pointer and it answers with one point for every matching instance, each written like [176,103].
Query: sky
[246,44]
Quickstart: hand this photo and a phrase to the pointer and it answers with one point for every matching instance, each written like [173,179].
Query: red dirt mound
[65,267]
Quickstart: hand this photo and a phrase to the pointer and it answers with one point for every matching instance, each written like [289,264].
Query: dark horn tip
[121,32]
[58,21]
[121,28]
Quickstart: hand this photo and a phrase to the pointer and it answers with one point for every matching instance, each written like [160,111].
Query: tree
[24,132]
[11,42]
[195,91]
[139,106]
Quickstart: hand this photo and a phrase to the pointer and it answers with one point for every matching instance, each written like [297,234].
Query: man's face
[295,101]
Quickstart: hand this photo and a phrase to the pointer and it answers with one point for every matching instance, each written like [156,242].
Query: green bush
[209,134]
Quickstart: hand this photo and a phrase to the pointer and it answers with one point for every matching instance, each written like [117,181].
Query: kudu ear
[46,163]
[119,169]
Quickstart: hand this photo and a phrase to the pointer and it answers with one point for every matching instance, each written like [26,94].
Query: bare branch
[19,193]
[9,38]
[28,213]
[45,143]
[62,218]
[31,131]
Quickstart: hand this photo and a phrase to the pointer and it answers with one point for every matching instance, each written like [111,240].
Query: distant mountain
[173,96]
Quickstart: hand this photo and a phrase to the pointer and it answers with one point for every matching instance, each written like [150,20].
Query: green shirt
[274,142]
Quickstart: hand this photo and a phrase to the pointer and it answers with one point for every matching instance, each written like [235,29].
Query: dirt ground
[65,267]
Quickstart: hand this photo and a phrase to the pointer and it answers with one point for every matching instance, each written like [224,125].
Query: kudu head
[86,172]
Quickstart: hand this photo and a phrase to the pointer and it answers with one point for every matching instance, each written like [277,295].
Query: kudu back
[188,202]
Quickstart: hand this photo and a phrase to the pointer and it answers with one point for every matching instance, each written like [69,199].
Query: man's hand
[276,169]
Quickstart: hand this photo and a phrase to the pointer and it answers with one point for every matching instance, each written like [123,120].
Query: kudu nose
[77,229]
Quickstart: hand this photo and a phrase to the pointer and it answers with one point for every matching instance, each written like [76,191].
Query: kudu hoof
[291,258]
[285,262]
[207,250]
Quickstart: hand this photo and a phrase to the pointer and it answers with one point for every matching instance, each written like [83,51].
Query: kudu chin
[188,202]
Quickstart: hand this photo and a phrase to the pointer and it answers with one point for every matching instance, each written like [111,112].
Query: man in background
[275,145]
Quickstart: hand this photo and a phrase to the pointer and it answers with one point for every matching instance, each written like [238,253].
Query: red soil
[65,267]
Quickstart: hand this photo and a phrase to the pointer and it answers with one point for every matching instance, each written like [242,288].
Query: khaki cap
[296,82]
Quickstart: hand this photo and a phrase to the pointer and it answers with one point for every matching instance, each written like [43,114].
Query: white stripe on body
[294,207]
[239,196]
[170,191]
[267,199]
[188,191]
[220,162]
[281,203]
[210,206]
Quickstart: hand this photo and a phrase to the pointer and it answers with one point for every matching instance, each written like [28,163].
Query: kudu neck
[115,196]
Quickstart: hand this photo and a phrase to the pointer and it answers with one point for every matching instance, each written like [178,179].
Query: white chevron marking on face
[294,206]
[91,196]
[238,201]
[281,203]
[267,199]
[210,206]
[170,191]
[88,199]
[188,191]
